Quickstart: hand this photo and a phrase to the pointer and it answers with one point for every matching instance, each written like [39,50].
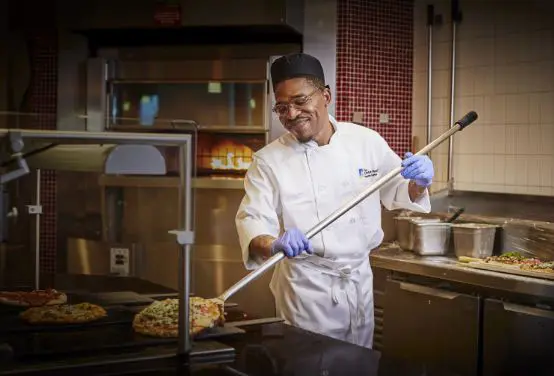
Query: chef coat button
[352,220]
[322,188]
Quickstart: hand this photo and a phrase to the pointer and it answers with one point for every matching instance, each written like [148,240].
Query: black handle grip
[430,15]
[469,118]
[456,215]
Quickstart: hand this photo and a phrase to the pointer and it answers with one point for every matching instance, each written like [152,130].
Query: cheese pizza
[35,298]
[64,314]
[161,318]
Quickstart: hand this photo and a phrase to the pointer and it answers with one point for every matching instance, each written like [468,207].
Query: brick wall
[374,66]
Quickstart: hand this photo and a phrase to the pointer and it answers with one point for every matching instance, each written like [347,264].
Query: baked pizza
[161,318]
[541,267]
[64,314]
[35,298]
[515,260]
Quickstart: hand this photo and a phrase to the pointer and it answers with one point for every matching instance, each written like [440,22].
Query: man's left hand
[418,168]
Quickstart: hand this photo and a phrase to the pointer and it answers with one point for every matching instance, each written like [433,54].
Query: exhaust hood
[131,14]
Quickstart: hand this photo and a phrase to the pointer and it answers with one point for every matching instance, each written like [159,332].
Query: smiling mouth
[296,124]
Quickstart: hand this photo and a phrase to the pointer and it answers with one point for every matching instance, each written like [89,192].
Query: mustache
[293,122]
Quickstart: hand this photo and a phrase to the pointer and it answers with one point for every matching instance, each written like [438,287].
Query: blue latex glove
[293,242]
[418,168]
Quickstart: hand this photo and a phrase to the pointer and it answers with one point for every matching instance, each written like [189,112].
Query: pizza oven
[226,154]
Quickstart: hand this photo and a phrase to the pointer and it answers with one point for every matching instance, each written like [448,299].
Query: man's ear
[327,96]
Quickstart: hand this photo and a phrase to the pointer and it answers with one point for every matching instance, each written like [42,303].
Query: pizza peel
[469,118]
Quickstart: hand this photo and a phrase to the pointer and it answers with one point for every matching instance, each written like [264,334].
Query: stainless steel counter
[391,257]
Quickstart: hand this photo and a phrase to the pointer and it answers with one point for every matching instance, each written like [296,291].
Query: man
[325,284]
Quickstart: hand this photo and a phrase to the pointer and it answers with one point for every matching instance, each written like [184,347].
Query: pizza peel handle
[469,118]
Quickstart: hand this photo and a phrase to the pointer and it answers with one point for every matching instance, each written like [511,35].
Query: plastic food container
[474,239]
[431,238]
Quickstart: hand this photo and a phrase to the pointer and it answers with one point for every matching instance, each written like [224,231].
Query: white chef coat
[292,184]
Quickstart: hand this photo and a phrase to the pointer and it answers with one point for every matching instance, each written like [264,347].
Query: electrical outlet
[357,117]
[384,118]
[119,261]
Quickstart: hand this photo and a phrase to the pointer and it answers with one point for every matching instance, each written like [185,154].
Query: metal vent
[378,331]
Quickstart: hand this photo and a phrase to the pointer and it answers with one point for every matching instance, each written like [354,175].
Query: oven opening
[226,155]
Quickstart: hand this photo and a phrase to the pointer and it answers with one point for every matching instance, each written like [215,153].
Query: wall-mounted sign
[167,14]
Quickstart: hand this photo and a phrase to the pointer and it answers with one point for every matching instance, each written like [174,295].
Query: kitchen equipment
[474,239]
[404,231]
[406,228]
[469,118]
[431,238]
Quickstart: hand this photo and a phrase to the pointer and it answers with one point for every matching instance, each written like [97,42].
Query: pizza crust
[63,314]
[538,270]
[25,299]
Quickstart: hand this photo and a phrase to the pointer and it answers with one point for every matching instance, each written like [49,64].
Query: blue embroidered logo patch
[365,173]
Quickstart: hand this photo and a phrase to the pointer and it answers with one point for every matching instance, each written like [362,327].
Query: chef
[325,284]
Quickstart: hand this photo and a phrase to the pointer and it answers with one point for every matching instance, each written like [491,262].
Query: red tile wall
[43,101]
[374,66]
[36,21]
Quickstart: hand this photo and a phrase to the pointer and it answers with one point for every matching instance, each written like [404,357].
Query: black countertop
[271,349]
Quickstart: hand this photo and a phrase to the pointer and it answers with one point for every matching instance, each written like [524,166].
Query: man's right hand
[292,243]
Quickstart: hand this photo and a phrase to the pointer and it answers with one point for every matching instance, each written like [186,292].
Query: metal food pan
[474,239]
[431,238]
[405,230]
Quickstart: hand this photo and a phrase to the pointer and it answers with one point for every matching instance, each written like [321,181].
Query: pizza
[515,260]
[64,314]
[35,298]
[161,318]
[542,267]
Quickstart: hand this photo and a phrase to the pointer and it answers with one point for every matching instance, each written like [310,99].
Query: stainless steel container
[431,238]
[474,239]
[404,232]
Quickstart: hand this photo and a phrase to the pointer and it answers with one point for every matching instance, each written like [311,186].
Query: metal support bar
[430,17]
[37,211]
[456,18]
[185,238]
[68,137]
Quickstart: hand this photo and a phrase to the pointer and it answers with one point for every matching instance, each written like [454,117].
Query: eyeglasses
[281,109]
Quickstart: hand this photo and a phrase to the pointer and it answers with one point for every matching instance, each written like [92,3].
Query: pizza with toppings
[514,260]
[542,267]
[161,318]
[35,298]
[63,314]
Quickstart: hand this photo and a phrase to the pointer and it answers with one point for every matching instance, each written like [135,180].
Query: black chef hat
[296,65]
